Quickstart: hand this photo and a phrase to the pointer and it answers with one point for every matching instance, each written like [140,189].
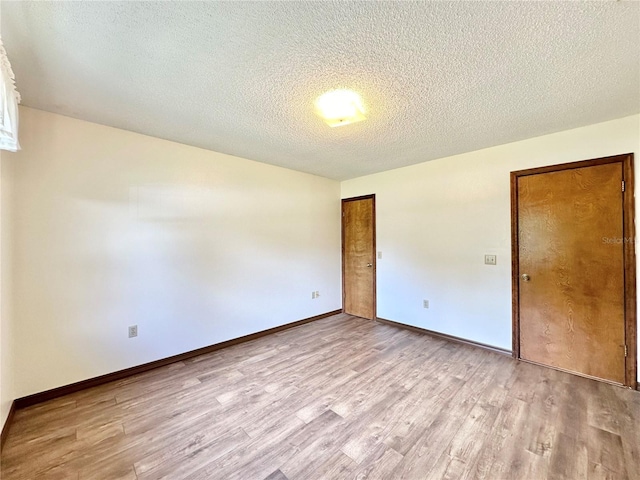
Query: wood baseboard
[7,425]
[40,397]
[444,336]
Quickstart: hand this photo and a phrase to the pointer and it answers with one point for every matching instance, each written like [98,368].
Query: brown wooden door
[570,269]
[358,256]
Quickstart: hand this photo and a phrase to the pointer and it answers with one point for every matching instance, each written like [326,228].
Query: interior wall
[437,220]
[111,228]
[7,373]
[114,228]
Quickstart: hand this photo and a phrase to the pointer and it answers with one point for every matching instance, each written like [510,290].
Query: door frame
[628,229]
[374,253]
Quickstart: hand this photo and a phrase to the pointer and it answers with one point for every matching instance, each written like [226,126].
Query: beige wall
[113,228]
[7,372]
[437,220]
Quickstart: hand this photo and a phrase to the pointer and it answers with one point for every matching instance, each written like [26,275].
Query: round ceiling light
[340,107]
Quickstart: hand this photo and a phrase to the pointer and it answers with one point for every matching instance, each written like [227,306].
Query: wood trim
[515,270]
[371,196]
[628,198]
[342,254]
[630,295]
[444,336]
[7,425]
[361,197]
[120,374]
[571,165]
[375,260]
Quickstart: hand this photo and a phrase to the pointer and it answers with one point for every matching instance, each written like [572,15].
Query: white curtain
[9,100]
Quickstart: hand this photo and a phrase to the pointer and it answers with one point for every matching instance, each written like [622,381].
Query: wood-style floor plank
[339,398]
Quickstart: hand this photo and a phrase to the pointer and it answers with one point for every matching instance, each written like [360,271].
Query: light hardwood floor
[340,398]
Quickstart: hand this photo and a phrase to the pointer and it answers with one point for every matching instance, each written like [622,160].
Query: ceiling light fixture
[340,107]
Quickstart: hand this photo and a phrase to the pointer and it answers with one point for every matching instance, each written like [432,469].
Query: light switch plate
[490,259]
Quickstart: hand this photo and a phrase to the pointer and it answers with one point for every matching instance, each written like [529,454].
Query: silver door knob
[526,277]
[369,265]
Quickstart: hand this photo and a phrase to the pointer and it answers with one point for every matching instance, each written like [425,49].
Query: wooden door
[572,268]
[358,256]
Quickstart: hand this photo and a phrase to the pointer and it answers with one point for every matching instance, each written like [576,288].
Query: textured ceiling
[438,78]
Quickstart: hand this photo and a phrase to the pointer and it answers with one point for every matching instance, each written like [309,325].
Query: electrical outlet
[490,259]
[425,303]
[379,255]
[133,331]
[313,295]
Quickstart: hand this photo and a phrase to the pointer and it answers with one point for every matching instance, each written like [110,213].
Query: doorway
[359,256]
[573,268]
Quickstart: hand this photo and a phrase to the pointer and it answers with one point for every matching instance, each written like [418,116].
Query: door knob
[526,277]
[369,265]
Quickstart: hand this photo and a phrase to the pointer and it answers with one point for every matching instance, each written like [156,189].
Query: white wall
[113,228]
[436,220]
[7,373]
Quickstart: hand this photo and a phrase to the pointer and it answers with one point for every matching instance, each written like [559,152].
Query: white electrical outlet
[490,259]
[379,255]
[425,303]
[133,331]
[313,295]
